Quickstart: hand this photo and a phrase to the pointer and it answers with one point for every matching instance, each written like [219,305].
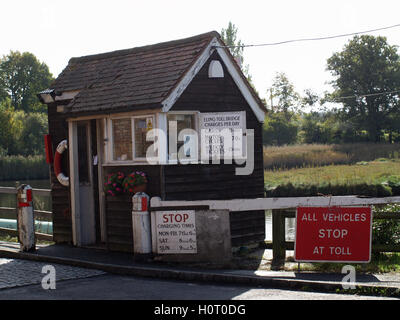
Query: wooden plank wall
[119,223]
[62,222]
[200,182]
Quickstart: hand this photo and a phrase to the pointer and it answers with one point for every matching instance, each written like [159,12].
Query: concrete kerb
[223,276]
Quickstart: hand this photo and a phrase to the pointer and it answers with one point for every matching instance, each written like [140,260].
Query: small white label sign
[176,232]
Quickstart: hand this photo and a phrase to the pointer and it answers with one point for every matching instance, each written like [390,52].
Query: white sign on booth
[176,232]
[222,134]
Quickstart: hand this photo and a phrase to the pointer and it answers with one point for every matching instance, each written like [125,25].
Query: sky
[54,31]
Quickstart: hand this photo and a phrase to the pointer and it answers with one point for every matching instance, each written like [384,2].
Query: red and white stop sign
[333,234]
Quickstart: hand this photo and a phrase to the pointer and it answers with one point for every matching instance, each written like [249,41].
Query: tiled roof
[125,79]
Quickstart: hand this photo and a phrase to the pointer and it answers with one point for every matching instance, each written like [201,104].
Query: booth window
[177,123]
[122,139]
[142,125]
[129,137]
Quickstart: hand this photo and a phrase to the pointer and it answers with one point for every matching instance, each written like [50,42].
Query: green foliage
[278,131]
[31,140]
[24,168]
[229,37]
[21,133]
[6,129]
[394,183]
[283,95]
[22,76]
[314,130]
[386,231]
[367,65]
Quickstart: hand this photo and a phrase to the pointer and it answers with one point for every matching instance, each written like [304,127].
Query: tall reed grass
[24,168]
[315,155]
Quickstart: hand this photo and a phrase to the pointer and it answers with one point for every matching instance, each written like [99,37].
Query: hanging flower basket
[135,182]
[113,184]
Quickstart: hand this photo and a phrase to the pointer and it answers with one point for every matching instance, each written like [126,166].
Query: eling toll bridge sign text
[333,234]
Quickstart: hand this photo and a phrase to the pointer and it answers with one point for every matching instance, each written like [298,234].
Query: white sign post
[176,232]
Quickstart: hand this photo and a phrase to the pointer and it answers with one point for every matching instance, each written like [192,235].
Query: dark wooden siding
[119,208]
[119,223]
[196,182]
[62,222]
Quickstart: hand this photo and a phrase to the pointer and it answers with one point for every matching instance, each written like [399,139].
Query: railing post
[16,208]
[278,239]
[25,218]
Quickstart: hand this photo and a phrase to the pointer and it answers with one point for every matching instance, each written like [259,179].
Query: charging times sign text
[334,234]
[176,232]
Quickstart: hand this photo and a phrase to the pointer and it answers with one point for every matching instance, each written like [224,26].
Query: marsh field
[362,168]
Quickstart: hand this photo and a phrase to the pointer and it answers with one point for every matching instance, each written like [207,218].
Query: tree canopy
[367,80]
[22,76]
[283,95]
[230,38]
[23,119]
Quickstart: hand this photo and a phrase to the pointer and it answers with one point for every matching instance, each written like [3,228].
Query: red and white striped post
[25,218]
[141,223]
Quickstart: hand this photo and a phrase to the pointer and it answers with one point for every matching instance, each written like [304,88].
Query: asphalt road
[115,287]
[22,280]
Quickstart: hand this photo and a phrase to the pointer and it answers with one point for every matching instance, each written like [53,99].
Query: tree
[229,37]
[20,132]
[278,131]
[6,134]
[318,127]
[310,99]
[31,139]
[22,76]
[368,68]
[283,95]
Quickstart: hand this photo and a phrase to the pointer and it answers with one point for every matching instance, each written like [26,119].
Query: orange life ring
[61,177]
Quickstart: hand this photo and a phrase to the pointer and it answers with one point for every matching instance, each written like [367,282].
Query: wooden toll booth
[105,104]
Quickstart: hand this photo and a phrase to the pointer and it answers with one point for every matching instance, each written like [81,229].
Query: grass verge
[384,262]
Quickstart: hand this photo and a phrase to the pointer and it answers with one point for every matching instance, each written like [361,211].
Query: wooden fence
[38,214]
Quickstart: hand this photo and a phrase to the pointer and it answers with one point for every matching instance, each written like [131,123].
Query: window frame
[195,115]
[110,139]
[134,158]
